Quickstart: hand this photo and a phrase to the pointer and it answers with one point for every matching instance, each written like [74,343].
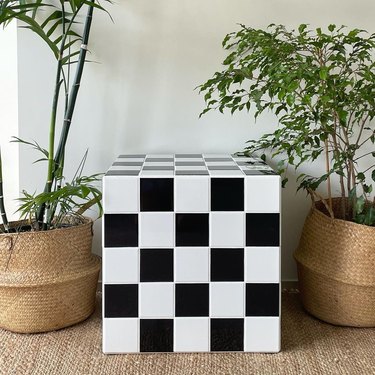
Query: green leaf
[370,216]
[302,28]
[36,28]
[323,73]
[361,176]
[290,99]
[331,27]
[360,204]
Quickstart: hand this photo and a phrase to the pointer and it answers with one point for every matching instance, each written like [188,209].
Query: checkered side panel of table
[191,254]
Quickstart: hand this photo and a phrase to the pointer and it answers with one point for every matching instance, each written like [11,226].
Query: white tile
[217,156]
[125,168]
[156,229]
[262,194]
[156,300]
[262,334]
[227,229]
[190,168]
[192,194]
[157,173]
[121,265]
[191,264]
[120,194]
[221,173]
[160,156]
[120,335]
[191,334]
[245,158]
[226,163]
[227,299]
[189,159]
[262,264]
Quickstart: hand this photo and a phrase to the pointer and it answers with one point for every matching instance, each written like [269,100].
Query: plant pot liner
[48,279]
[336,269]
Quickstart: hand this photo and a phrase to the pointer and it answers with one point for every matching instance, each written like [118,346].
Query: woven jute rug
[308,347]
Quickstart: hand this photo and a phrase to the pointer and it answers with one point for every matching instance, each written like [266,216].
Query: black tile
[121,301]
[253,172]
[227,194]
[222,167]
[190,163]
[156,335]
[128,163]
[133,156]
[240,155]
[158,168]
[192,229]
[156,194]
[120,230]
[192,300]
[269,172]
[227,335]
[218,159]
[254,163]
[262,229]
[227,264]
[262,299]
[123,173]
[156,160]
[188,156]
[191,173]
[156,265]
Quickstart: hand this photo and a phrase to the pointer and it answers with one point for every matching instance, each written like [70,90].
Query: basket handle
[313,195]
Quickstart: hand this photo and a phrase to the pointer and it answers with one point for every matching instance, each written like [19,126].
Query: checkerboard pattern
[191,254]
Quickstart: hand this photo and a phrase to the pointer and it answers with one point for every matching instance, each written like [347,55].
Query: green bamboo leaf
[71,43]
[57,14]
[69,57]
[56,24]
[35,27]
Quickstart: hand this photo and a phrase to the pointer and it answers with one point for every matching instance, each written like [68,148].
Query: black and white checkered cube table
[191,254]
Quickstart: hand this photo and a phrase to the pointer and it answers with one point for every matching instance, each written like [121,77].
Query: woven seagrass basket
[336,268]
[48,279]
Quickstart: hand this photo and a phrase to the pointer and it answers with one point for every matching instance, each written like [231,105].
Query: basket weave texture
[336,269]
[48,279]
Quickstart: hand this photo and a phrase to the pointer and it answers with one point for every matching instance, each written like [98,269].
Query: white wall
[9,116]
[141,97]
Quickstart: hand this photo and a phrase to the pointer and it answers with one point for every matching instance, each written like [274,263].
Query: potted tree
[48,276]
[321,87]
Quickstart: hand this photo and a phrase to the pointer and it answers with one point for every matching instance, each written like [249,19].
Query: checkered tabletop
[191,254]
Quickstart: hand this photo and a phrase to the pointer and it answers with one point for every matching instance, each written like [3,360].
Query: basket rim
[315,209]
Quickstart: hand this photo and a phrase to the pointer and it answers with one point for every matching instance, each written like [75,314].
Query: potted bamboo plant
[48,275]
[320,85]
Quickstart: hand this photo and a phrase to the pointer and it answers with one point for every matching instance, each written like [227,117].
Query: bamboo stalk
[2,205]
[75,88]
[51,148]
[56,162]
